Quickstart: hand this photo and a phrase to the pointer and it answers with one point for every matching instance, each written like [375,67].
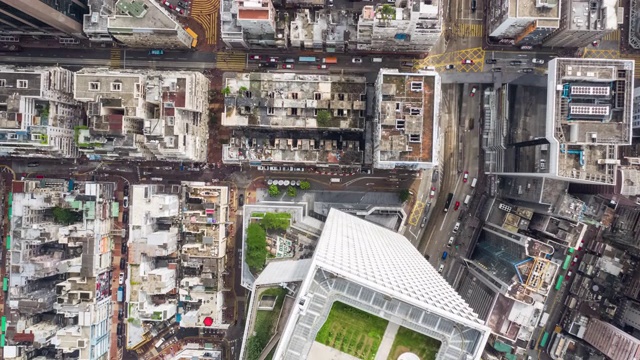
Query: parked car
[121,279]
[125,202]
[356,60]
[241,200]
[537,61]
[125,217]
[527,70]
[407,63]
[456,206]
[515,62]
[491,61]
[450,67]
[287,66]
[120,314]
[167,4]
[124,248]
[323,66]
[424,222]
[123,264]
[274,59]
[467,62]
[432,193]
[441,268]
[125,191]
[473,91]
[180,10]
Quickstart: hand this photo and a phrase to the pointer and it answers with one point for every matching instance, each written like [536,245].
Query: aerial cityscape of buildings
[319,179]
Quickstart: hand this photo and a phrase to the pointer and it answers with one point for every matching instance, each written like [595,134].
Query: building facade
[584,21]
[523,22]
[60,19]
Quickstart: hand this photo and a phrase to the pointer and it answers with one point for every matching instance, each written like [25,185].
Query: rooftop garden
[256,252]
[352,331]
[265,324]
[410,341]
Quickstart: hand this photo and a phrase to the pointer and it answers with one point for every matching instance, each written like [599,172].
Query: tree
[388,12]
[305,185]
[323,118]
[273,190]
[276,221]
[226,91]
[256,247]
[65,216]
[291,191]
[242,90]
[404,195]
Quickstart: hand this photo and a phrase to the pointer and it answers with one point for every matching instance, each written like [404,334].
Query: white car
[121,279]
[441,268]
[537,61]
[125,202]
[356,60]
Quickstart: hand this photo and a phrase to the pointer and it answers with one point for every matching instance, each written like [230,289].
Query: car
[491,61]
[125,190]
[356,60]
[465,177]
[255,57]
[581,245]
[444,255]
[432,193]
[120,314]
[474,5]
[456,206]
[167,4]
[496,69]
[33,164]
[125,217]
[123,264]
[120,329]
[179,10]
[125,202]
[473,91]
[441,268]
[407,63]
[287,66]
[323,66]
[450,242]
[424,222]
[569,274]
[575,261]
[595,43]
[119,342]
[267,65]
[241,200]
[330,2]
[124,248]
[181,4]
[39,176]
[273,59]
[121,279]
[515,62]
[467,62]
[456,227]
[526,70]
[537,61]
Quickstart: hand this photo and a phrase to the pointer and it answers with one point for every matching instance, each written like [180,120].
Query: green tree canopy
[226,91]
[276,221]
[66,216]
[256,247]
[404,195]
[291,191]
[305,185]
[273,190]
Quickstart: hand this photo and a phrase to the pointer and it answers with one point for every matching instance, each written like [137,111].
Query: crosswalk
[612,36]
[467,30]
[231,61]
[116,60]
[439,61]
[613,54]
[207,13]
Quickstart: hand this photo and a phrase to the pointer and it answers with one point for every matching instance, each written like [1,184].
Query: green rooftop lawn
[410,341]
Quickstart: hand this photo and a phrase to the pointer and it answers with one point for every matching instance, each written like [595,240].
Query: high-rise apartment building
[378,271]
[525,22]
[614,343]
[42,18]
[584,21]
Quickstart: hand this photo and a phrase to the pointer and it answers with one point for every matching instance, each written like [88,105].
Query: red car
[575,261]
[433,192]
[255,57]
[465,177]
[273,59]
[323,66]
[287,66]
[457,205]
[467,62]
[473,91]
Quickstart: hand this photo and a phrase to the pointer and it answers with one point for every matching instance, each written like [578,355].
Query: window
[414,111]
[315,112]
[116,86]
[363,97]
[317,96]
[416,86]
[271,111]
[22,84]
[294,111]
[361,113]
[271,95]
[94,86]
[294,96]
[3,83]
[341,97]
[340,112]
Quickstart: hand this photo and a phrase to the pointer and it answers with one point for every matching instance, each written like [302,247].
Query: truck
[447,203]
[120,294]
[543,320]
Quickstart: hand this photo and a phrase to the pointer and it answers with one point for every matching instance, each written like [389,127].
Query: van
[376,60]
[474,5]
[456,227]
[467,199]
[474,182]
[450,241]
[335,180]
[444,255]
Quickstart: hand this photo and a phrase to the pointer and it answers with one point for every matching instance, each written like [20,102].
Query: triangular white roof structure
[379,271]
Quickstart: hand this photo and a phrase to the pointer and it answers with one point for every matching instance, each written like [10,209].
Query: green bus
[567,262]
[571,250]
[5,284]
[4,324]
[2,340]
[545,338]
[8,242]
[559,282]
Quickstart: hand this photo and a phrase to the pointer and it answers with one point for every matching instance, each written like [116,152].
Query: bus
[571,250]
[307,59]
[2,343]
[545,338]
[448,202]
[567,262]
[5,284]
[8,242]
[4,324]
[330,60]
[559,282]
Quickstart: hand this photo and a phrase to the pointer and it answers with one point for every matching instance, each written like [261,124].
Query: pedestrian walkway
[467,30]
[206,13]
[612,54]
[612,36]
[231,61]
[116,58]
[387,341]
